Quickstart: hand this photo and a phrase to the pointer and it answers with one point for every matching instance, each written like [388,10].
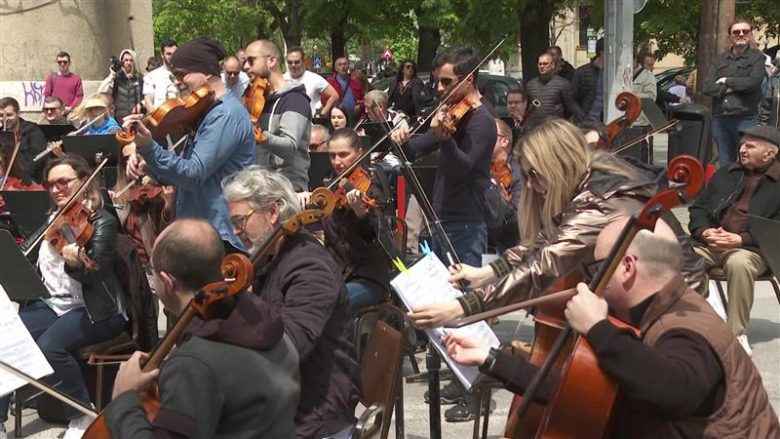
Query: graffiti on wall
[29,94]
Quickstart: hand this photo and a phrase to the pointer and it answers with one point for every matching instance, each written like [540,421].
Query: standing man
[587,88]
[125,85]
[203,383]
[551,90]
[158,85]
[234,78]
[734,82]
[644,85]
[719,220]
[64,84]
[220,145]
[563,68]
[349,89]
[317,88]
[286,117]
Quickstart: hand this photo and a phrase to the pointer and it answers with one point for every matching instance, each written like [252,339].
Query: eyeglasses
[232,74]
[239,221]
[543,64]
[740,32]
[446,82]
[251,59]
[63,62]
[50,109]
[591,269]
[294,63]
[60,183]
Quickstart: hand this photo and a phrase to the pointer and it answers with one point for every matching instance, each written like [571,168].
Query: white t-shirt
[64,290]
[239,87]
[158,83]
[315,85]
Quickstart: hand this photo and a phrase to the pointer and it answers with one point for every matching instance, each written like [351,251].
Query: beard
[258,242]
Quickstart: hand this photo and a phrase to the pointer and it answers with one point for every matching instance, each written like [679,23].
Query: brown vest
[745,413]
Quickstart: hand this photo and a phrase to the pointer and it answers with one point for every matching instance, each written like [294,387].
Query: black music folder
[93,148]
[319,169]
[29,209]
[765,231]
[18,277]
[56,132]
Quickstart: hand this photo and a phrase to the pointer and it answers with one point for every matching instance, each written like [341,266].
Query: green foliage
[231,22]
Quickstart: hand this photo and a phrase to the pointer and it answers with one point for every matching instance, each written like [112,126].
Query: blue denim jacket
[222,145]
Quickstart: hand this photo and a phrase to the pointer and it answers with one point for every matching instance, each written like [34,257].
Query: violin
[173,115]
[254,101]
[73,227]
[502,173]
[457,112]
[141,190]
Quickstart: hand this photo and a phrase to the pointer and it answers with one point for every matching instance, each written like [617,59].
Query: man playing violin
[234,376]
[85,303]
[684,376]
[221,143]
[304,282]
[27,135]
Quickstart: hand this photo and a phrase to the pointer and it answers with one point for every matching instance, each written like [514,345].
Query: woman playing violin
[85,303]
[571,192]
[351,232]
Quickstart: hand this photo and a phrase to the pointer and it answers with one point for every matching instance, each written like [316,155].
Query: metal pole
[618,52]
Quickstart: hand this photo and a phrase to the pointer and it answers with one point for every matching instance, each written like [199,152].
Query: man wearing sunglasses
[53,112]
[323,96]
[233,77]
[64,84]
[734,82]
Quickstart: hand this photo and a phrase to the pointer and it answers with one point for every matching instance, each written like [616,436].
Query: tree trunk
[714,20]
[338,43]
[428,41]
[534,34]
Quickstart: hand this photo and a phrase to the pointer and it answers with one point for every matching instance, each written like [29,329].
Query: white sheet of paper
[427,281]
[18,348]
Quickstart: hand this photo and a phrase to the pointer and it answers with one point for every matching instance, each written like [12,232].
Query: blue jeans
[469,240]
[725,130]
[362,294]
[60,338]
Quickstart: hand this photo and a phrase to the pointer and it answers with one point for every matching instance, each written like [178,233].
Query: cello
[579,377]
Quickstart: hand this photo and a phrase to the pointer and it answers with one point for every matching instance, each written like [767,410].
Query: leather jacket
[101,289]
[601,198]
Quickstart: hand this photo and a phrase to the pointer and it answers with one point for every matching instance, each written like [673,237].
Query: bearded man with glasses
[734,82]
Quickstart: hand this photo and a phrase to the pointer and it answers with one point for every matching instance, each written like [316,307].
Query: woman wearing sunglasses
[85,299]
[571,192]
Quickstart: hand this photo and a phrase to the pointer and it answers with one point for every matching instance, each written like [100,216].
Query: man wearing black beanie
[220,144]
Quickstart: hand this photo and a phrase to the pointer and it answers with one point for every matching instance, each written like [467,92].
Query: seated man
[304,282]
[28,136]
[230,377]
[53,112]
[719,220]
[684,377]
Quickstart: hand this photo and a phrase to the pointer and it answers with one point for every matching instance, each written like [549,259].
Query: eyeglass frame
[242,219]
[60,183]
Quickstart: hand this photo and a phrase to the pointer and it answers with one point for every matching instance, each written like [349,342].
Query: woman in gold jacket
[571,192]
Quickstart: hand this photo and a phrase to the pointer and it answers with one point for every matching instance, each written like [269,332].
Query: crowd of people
[537,187]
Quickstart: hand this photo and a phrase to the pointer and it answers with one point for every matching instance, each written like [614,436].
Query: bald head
[191,251]
[658,251]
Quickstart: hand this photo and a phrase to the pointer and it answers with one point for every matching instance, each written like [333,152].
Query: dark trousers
[60,338]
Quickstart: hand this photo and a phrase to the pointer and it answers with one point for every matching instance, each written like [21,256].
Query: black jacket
[583,91]
[133,279]
[769,111]
[31,142]
[304,282]
[127,93]
[567,70]
[741,93]
[554,98]
[230,378]
[411,101]
[101,289]
[724,188]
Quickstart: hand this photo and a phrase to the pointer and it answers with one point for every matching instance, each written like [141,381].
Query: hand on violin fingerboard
[437,125]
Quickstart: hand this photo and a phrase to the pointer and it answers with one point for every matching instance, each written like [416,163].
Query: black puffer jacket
[769,111]
[583,91]
[554,98]
[101,289]
[741,93]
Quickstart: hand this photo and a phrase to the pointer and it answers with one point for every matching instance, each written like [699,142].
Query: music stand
[56,132]
[18,277]
[375,131]
[28,209]
[324,121]
[7,142]
[93,148]
[319,169]
[653,113]
[765,231]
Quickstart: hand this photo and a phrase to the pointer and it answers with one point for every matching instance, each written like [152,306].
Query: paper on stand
[427,281]
[18,348]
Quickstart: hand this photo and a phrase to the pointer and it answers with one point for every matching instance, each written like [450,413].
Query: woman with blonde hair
[571,192]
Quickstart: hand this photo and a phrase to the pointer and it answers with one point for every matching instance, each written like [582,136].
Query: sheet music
[427,281]
[18,348]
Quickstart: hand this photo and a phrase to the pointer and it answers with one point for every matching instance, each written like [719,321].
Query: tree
[288,18]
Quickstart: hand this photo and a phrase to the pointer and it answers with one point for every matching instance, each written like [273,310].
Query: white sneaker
[3,434]
[77,427]
[742,339]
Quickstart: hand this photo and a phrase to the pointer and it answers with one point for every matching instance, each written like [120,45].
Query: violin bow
[645,136]
[10,165]
[42,232]
[687,177]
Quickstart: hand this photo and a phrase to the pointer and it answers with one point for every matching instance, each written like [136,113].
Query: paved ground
[764,335]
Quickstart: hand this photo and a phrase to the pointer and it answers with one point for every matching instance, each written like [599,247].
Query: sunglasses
[232,74]
[63,63]
[408,66]
[60,183]
[446,82]
[251,59]
[49,109]
[740,32]
[293,63]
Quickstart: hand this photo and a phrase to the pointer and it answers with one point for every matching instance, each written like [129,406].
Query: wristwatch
[490,360]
